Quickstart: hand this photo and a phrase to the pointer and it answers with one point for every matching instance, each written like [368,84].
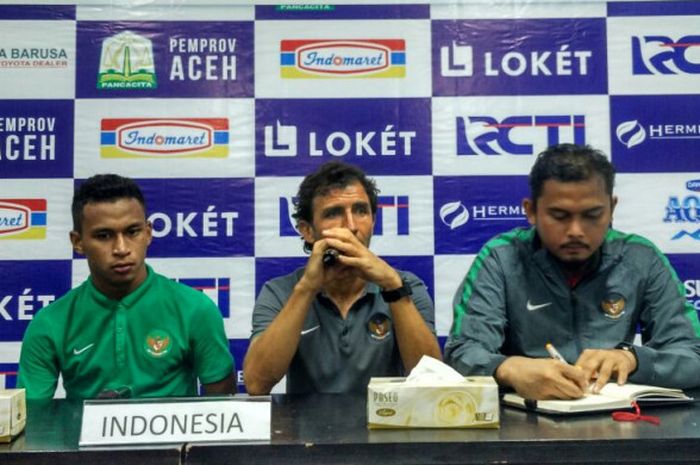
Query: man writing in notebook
[331,326]
[126,331]
[573,281]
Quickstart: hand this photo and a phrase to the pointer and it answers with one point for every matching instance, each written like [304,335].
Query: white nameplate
[160,421]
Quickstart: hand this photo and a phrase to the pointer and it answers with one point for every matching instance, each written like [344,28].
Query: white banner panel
[317,68]
[648,56]
[502,135]
[35,219]
[660,207]
[165,138]
[37,59]
[450,270]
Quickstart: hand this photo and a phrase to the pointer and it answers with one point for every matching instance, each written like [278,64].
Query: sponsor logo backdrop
[219,111]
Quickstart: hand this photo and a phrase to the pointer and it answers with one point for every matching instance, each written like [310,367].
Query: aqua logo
[372,58]
[127,62]
[164,138]
[693,185]
[22,218]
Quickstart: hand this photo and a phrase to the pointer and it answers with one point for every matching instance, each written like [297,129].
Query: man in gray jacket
[574,282]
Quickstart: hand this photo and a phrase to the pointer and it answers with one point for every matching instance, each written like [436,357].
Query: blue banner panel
[37,12]
[9,372]
[199,217]
[329,12]
[27,287]
[519,57]
[169,59]
[655,133]
[36,138]
[688,268]
[382,136]
[470,211]
[664,8]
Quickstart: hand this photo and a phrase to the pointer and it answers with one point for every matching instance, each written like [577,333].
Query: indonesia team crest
[379,326]
[613,306]
[157,343]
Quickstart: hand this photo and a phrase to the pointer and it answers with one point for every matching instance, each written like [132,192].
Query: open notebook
[611,397]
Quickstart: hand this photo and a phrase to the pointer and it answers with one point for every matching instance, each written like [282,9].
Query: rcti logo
[662,55]
[217,289]
[127,62]
[632,133]
[392,215]
[685,210]
[485,135]
[164,138]
[371,58]
[22,218]
[455,214]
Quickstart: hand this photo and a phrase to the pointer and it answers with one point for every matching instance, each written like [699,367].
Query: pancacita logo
[22,218]
[164,138]
[331,59]
[127,62]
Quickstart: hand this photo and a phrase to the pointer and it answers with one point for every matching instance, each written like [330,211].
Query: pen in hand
[554,353]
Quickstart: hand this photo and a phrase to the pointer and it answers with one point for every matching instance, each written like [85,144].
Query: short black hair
[570,163]
[331,175]
[103,188]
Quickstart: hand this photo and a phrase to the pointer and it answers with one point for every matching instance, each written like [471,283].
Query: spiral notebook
[611,397]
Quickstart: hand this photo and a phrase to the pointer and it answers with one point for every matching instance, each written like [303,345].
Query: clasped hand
[354,255]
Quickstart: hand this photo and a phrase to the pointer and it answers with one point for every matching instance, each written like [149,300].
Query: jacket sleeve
[478,327]
[670,355]
[38,364]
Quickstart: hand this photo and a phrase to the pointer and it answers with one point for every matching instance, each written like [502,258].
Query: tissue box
[13,413]
[473,403]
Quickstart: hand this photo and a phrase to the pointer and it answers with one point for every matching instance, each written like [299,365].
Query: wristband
[396,294]
[627,347]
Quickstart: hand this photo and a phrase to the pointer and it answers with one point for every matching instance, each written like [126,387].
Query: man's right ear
[530,211]
[77,242]
[306,231]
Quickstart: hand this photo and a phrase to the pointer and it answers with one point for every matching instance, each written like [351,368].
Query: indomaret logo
[164,138]
[328,59]
[127,63]
[22,218]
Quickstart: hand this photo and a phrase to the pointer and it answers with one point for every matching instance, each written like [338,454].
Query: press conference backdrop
[219,110]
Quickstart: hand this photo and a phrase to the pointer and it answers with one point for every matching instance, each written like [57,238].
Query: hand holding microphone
[330,256]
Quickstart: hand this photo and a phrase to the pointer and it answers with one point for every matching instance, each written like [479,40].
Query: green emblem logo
[157,343]
[127,63]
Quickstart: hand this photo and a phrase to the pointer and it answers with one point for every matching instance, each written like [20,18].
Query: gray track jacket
[515,299]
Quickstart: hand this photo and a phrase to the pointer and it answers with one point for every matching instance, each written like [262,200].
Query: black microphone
[330,256]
